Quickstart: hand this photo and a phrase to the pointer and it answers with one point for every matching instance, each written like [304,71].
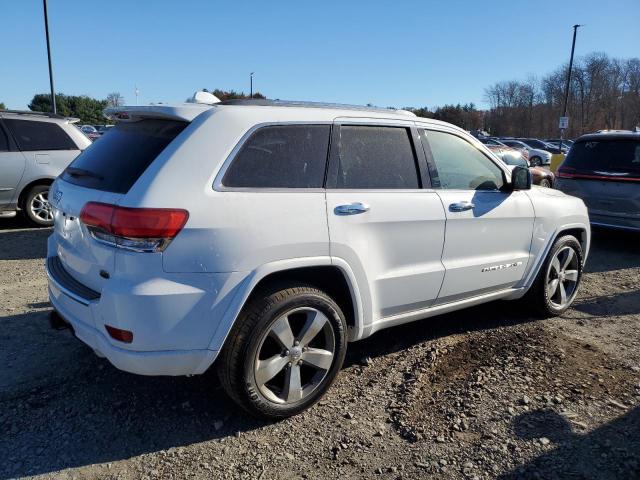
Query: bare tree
[115,99]
[604,93]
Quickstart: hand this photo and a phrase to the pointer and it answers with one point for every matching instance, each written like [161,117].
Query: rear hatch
[104,173]
[605,173]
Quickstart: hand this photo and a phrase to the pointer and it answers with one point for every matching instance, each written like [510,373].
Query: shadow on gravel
[102,415]
[626,303]
[63,407]
[23,243]
[613,250]
[609,452]
[483,317]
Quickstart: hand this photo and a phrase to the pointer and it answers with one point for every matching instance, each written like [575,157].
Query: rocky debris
[479,394]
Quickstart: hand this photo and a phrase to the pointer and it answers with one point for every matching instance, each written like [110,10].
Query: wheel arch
[25,190]
[337,280]
[580,231]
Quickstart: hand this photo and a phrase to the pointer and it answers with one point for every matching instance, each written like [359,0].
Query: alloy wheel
[41,208]
[295,355]
[562,277]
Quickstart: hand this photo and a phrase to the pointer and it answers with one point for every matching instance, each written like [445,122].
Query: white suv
[266,235]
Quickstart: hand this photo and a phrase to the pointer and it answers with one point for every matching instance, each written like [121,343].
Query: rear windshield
[620,156]
[115,161]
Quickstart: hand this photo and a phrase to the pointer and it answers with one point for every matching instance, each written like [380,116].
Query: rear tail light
[137,229]
[124,336]
[570,172]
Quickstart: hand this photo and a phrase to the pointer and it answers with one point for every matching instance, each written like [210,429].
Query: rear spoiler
[185,112]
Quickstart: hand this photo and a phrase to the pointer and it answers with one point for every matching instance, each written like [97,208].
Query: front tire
[284,351]
[37,208]
[545,182]
[535,162]
[556,285]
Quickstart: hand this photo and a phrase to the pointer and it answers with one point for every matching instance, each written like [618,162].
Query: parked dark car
[604,170]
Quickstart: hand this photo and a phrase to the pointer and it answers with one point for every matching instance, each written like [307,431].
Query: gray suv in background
[604,170]
[34,149]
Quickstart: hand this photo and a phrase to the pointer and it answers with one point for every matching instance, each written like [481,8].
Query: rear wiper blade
[81,172]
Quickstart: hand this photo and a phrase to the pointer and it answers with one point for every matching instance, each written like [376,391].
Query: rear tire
[556,285]
[36,208]
[284,351]
[545,182]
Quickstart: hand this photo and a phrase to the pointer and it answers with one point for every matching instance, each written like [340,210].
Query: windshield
[536,144]
[616,157]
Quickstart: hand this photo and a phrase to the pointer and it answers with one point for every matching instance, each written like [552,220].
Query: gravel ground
[483,393]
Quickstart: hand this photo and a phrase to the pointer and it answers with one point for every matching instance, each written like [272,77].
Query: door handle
[351,209]
[461,206]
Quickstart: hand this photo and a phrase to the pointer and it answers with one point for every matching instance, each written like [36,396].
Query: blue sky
[392,53]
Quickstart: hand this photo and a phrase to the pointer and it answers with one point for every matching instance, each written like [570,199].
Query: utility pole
[566,87]
[137,92]
[251,84]
[46,30]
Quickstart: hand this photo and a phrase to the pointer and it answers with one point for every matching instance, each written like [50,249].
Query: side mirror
[520,178]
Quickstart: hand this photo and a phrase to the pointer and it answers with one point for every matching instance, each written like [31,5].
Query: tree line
[89,110]
[604,93]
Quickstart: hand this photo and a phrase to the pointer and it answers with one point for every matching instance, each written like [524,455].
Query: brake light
[124,336]
[570,172]
[137,229]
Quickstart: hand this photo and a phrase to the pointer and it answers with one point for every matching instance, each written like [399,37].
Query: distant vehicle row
[93,132]
[536,152]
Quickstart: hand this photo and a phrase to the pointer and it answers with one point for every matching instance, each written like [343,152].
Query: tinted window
[535,144]
[4,140]
[31,135]
[606,156]
[376,157]
[123,153]
[461,166]
[282,156]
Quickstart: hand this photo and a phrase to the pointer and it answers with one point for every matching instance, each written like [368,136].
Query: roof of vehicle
[609,135]
[28,114]
[303,104]
[189,111]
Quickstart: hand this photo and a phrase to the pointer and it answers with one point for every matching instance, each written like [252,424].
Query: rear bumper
[84,313]
[173,362]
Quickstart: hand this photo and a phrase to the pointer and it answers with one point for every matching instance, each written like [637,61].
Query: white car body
[407,257]
[534,153]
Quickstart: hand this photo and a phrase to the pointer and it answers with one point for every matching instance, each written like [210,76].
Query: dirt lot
[483,393]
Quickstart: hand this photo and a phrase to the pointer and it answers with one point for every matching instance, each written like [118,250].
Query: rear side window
[4,140]
[32,135]
[281,156]
[459,165]
[376,158]
[620,156]
[116,161]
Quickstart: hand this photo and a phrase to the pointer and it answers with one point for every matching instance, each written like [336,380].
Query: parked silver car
[34,149]
[604,170]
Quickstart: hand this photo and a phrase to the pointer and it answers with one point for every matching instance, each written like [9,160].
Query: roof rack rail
[295,103]
[31,112]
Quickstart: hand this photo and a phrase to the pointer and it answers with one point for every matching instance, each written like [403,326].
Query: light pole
[46,30]
[251,84]
[566,87]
